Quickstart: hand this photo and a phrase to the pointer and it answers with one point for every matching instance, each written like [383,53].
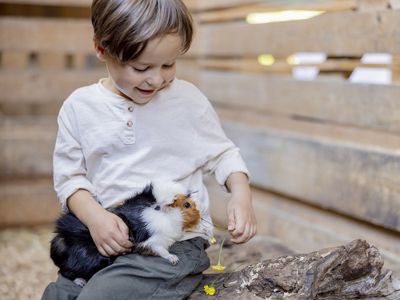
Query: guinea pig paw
[173,259]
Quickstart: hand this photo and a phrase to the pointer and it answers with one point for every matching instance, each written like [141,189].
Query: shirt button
[129,124]
[130,108]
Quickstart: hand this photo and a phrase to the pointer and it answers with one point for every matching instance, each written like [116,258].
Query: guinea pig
[156,218]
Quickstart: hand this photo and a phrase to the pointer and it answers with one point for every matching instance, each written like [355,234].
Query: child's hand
[110,234]
[242,224]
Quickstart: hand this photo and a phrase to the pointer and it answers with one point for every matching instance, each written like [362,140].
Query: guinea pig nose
[157,207]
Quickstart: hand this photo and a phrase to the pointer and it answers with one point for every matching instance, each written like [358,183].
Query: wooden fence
[324,153]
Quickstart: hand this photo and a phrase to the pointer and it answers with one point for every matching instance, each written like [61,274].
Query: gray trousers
[135,276]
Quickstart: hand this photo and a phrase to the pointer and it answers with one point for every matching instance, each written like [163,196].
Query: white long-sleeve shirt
[113,148]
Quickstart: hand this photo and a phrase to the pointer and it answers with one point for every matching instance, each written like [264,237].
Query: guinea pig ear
[165,191]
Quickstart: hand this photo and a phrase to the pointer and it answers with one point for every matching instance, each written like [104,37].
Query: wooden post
[396,68]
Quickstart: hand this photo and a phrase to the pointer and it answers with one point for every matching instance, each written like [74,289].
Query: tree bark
[352,271]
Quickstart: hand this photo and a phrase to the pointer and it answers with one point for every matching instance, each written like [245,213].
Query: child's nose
[156,79]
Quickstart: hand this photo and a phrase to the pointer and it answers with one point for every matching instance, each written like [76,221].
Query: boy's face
[140,79]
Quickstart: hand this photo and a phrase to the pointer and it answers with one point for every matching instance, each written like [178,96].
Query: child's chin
[143,100]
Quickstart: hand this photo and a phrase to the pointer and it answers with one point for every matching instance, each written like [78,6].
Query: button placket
[129,131]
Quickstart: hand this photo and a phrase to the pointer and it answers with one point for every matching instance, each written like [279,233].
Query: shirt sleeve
[222,157]
[69,168]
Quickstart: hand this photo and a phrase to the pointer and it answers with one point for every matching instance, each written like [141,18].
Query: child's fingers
[243,235]
[108,250]
[231,220]
[123,237]
[102,251]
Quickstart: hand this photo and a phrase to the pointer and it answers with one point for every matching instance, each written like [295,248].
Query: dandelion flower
[209,290]
[212,240]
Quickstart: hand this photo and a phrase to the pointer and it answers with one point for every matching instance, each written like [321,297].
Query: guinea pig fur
[156,218]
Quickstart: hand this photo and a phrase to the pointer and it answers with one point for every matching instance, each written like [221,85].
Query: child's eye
[139,70]
[168,66]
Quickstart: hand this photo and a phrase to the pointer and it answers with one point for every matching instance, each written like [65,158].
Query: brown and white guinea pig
[156,218]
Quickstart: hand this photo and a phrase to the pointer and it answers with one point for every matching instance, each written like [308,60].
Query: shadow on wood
[352,271]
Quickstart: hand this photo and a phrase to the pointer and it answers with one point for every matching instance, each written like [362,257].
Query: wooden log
[352,171]
[337,102]
[354,270]
[332,33]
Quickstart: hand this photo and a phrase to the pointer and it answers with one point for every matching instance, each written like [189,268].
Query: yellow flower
[212,240]
[218,267]
[209,290]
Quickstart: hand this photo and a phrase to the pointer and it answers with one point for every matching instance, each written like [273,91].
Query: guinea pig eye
[187,205]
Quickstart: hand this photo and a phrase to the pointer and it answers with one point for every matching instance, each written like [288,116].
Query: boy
[138,125]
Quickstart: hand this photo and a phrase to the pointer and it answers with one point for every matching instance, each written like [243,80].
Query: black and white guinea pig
[156,218]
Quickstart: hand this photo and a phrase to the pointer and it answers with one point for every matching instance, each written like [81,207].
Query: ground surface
[26,268]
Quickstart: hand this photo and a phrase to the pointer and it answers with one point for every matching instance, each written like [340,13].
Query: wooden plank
[188,69]
[281,66]
[361,105]
[394,4]
[43,87]
[199,5]
[332,33]
[351,171]
[372,5]
[26,201]
[52,61]
[241,12]
[396,68]
[27,146]
[50,2]
[46,35]
[305,228]
[11,60]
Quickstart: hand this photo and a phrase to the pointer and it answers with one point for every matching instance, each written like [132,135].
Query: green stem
[220,251]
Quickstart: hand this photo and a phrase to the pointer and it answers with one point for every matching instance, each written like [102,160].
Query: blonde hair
[124,27]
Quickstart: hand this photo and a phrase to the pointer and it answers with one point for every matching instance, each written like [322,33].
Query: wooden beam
[281,66]
[43,87]
[83,3]
[27,146]
[372,5]
[351,171]
[396,68]
[241,12]
[201,5]
[27,202]
[46,35]
[332,33]
[338,102]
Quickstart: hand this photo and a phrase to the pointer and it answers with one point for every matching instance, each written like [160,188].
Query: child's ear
[100,51]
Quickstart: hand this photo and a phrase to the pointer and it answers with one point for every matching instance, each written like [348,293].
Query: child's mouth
[145,92]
